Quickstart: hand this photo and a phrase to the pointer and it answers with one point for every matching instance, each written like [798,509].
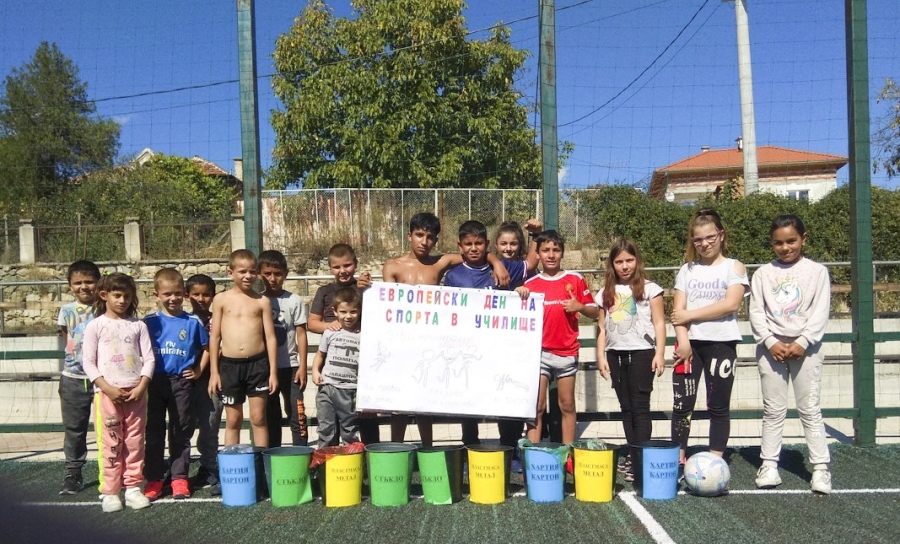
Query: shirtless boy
[243,350]
[419,267]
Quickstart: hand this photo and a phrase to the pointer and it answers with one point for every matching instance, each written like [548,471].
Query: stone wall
[30,295]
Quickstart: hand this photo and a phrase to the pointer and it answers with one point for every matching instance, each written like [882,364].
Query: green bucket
[441,472]
[390,472]
[288,471]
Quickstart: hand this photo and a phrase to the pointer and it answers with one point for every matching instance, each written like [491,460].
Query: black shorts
[244,377]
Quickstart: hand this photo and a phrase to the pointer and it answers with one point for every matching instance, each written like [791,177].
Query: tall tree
[886,139]
[46,116]
[397,96]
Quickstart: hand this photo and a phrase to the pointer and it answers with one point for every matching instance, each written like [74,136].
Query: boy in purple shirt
[476,273]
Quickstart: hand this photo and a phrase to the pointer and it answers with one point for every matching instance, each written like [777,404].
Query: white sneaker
[135,498]
[767,477]
[111,503]
[821,481]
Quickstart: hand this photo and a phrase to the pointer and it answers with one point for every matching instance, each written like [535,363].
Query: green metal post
[249,125]
[549,147]
[861,275]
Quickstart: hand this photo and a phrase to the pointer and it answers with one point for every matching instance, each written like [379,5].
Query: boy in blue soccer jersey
[178,338]
[75,390]
[476,273]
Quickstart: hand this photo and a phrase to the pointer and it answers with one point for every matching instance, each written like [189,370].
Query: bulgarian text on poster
[443,350]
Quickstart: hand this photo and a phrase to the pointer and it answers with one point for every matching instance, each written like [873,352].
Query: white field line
[646,518]
[624,495]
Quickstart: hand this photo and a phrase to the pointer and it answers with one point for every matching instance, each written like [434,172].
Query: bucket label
[348,474]
[663,470]
[390,479]
[487,471]
[235,470]
[432,479]
[290,481]
[545,476]
[236,480]
[592,470]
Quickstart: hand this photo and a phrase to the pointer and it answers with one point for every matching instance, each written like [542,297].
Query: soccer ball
[706,474]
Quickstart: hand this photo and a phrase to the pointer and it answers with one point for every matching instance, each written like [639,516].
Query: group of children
[161,378]
[248,346]
[789,308]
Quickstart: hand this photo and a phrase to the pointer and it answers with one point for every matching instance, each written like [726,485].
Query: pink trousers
[120,442]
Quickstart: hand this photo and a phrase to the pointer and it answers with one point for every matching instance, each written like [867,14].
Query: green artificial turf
[735,518]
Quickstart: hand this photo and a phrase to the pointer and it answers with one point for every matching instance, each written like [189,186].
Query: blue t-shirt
[483,277]
[177,341]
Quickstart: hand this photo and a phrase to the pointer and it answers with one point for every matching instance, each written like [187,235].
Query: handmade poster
[444,350]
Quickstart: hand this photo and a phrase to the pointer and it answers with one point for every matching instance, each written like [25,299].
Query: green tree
[621,211]
[886,139]
[396,96]
[47,118]
[170,189]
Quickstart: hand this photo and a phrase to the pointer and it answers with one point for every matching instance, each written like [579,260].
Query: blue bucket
[658,471]
[237,476]
[545,471]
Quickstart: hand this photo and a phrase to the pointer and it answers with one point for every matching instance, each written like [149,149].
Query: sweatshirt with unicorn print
[790,301]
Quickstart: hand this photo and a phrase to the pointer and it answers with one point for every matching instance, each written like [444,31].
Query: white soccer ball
[706,474]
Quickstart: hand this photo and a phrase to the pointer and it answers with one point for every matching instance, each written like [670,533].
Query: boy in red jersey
[566,294]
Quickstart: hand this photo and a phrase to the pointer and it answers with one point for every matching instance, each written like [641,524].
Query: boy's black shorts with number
[244,377]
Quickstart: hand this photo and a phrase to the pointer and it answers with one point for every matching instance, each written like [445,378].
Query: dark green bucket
[390,472]
[441,472]
[287,469]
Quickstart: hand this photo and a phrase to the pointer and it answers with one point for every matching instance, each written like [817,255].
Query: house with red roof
[803,175]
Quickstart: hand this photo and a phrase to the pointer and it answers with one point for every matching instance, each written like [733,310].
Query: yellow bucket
[595,474]
[340,479]
[488,473]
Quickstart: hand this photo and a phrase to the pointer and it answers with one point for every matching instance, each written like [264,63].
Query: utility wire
[267,76]
[644,71]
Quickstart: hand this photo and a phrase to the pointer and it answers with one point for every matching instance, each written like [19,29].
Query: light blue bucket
[658,470]
[237,476]
[545,470]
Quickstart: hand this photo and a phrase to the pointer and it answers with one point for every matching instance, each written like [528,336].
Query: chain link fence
[309,221]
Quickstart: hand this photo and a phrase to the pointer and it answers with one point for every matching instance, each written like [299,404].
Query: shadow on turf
[31,523]
[791,460]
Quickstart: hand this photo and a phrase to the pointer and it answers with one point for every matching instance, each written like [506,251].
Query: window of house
[799,195]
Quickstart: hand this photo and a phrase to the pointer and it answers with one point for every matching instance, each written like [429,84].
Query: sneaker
[821,481]
[136,500]
[215,490]
[767,477]
[516,466]
[180,489]
[111,503]
[153,489]
[624,465]
[629,476]
[72,484]
[201,479]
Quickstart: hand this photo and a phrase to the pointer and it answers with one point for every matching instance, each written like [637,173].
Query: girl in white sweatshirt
[789,307]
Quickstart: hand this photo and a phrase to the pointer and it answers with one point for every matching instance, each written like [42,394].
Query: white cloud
[122,119]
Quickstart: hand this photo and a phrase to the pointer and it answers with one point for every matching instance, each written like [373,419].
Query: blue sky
[641,84]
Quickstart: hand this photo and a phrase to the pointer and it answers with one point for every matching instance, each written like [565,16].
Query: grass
[791,513]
